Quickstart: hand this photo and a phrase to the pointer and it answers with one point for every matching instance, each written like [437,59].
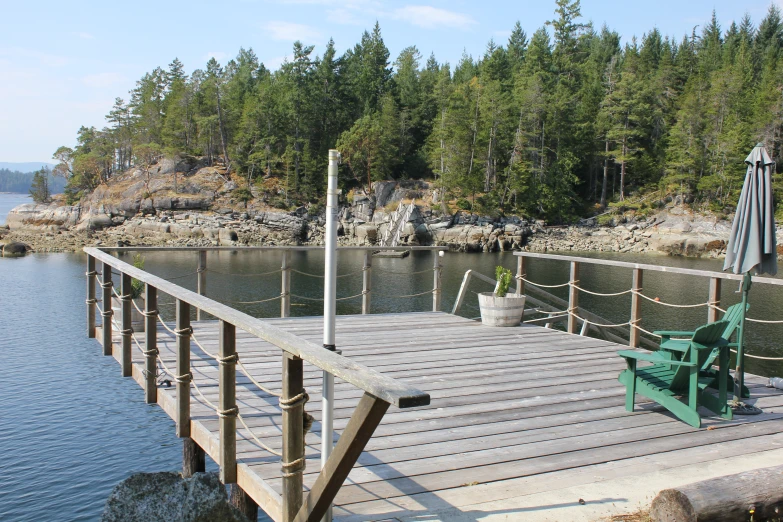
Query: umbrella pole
[739,373]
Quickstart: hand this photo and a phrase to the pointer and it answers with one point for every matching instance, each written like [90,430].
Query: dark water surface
[71,428]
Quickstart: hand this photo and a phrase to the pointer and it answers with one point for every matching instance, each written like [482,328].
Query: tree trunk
[752,495]
[223,137]
[606,176]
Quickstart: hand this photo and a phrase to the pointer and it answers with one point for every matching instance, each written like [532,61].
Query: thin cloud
[290,32]
[85,36]
[49,60]
[429,17]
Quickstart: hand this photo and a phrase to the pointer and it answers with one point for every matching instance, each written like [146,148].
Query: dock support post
[227,358]
[125,324]
[292,403]
[573,297]
[636,308]
[714,300]
[91,301]
[285,286]
[193,458]
[106,311]
[366,281]
[436,291]
[151,345]
[184,376]
[521,274]
[242,501]
[201,275]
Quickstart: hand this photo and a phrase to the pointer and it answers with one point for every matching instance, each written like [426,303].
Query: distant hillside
[16,181]
[28,166]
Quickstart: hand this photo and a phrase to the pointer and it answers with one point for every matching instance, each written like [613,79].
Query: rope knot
[151,353]
[127,331]
[231,359]
[151,313]
[293,468]
[107,313]
[107,284]
[181,332]
[293,402]
[229,413]
[91,301]
[91,274]
[185,379]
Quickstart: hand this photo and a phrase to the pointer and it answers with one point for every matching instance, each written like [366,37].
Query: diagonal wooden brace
[366,417]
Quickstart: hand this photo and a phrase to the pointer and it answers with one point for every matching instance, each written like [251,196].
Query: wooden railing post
[106,311]
[125,324]
[285,286]
[573,297]
[636,308]
[714,300]
[436,290]
[227,358]
[151,344]
[91,301]
[292,403]
[183,376]
[521,273]
[201,278]
[366,281]
[194,459]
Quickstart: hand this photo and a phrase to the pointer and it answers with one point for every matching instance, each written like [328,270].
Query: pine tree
[39,190]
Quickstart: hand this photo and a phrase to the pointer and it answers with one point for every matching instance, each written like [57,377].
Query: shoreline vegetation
[558,125]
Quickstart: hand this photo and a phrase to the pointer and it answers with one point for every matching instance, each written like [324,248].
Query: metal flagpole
[330,310]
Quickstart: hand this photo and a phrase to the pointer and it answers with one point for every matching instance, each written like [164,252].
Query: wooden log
[127,329]
[357,433]
[242,501]
[752,495]
[436,290]
[366,282]
[227,403]
[714,300]
[106,311]
[636,308]
[91,301]
[201,278]
[573,298]
[183,376]
[151,344]
[285,286]
[193,458]
[292,403]
[521,273]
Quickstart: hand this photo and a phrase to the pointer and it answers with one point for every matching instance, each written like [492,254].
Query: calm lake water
[9,201]
[71,428]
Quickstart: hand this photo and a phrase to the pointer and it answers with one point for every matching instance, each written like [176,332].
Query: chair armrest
[680,346]
[630,354]
[673,333]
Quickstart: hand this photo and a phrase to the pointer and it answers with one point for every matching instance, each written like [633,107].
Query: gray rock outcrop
[14,249]
[168,496]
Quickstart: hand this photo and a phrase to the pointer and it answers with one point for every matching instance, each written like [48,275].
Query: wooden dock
[516,414]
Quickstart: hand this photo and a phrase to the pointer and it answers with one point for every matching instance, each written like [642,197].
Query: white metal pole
[330,310]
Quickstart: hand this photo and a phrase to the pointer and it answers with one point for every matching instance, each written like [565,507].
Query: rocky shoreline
[199,207]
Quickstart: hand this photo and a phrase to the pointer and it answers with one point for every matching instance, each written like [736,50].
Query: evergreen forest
[553,125]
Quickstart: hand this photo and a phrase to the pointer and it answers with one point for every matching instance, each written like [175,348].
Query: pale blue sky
[63,63]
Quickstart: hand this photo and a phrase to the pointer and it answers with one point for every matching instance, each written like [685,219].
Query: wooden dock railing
[573,314]
[380,391]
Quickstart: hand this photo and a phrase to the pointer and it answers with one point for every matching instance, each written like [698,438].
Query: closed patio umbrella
[752,241]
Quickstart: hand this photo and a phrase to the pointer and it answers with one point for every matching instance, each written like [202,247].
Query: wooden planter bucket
[501,311]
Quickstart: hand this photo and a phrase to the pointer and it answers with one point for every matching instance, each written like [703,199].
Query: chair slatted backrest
[733,316]
[707,336]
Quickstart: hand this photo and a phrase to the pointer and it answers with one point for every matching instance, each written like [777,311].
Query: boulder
[366,232]
[14,249]
[168,496]
[383,192]
[43,217]
[281,222]
[226,236]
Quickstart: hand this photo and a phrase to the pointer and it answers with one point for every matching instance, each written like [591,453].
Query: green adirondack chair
[668,378]
[676,347]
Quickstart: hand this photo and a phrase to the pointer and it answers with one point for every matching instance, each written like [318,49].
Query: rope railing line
[180,276]
[658,301]
[264,446]
[257,302]
[600,294]
[259,385]
[197,343]
[759,356]
[411,295]
[646,331]
[542,286]
[762,321]
[572,313]
[405,273]
[258,274]
[321,298]
[308,274]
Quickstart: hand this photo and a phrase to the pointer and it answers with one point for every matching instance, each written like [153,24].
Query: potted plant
[498,308]
[137,294]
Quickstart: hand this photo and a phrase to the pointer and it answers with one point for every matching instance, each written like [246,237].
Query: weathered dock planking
[514,412]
